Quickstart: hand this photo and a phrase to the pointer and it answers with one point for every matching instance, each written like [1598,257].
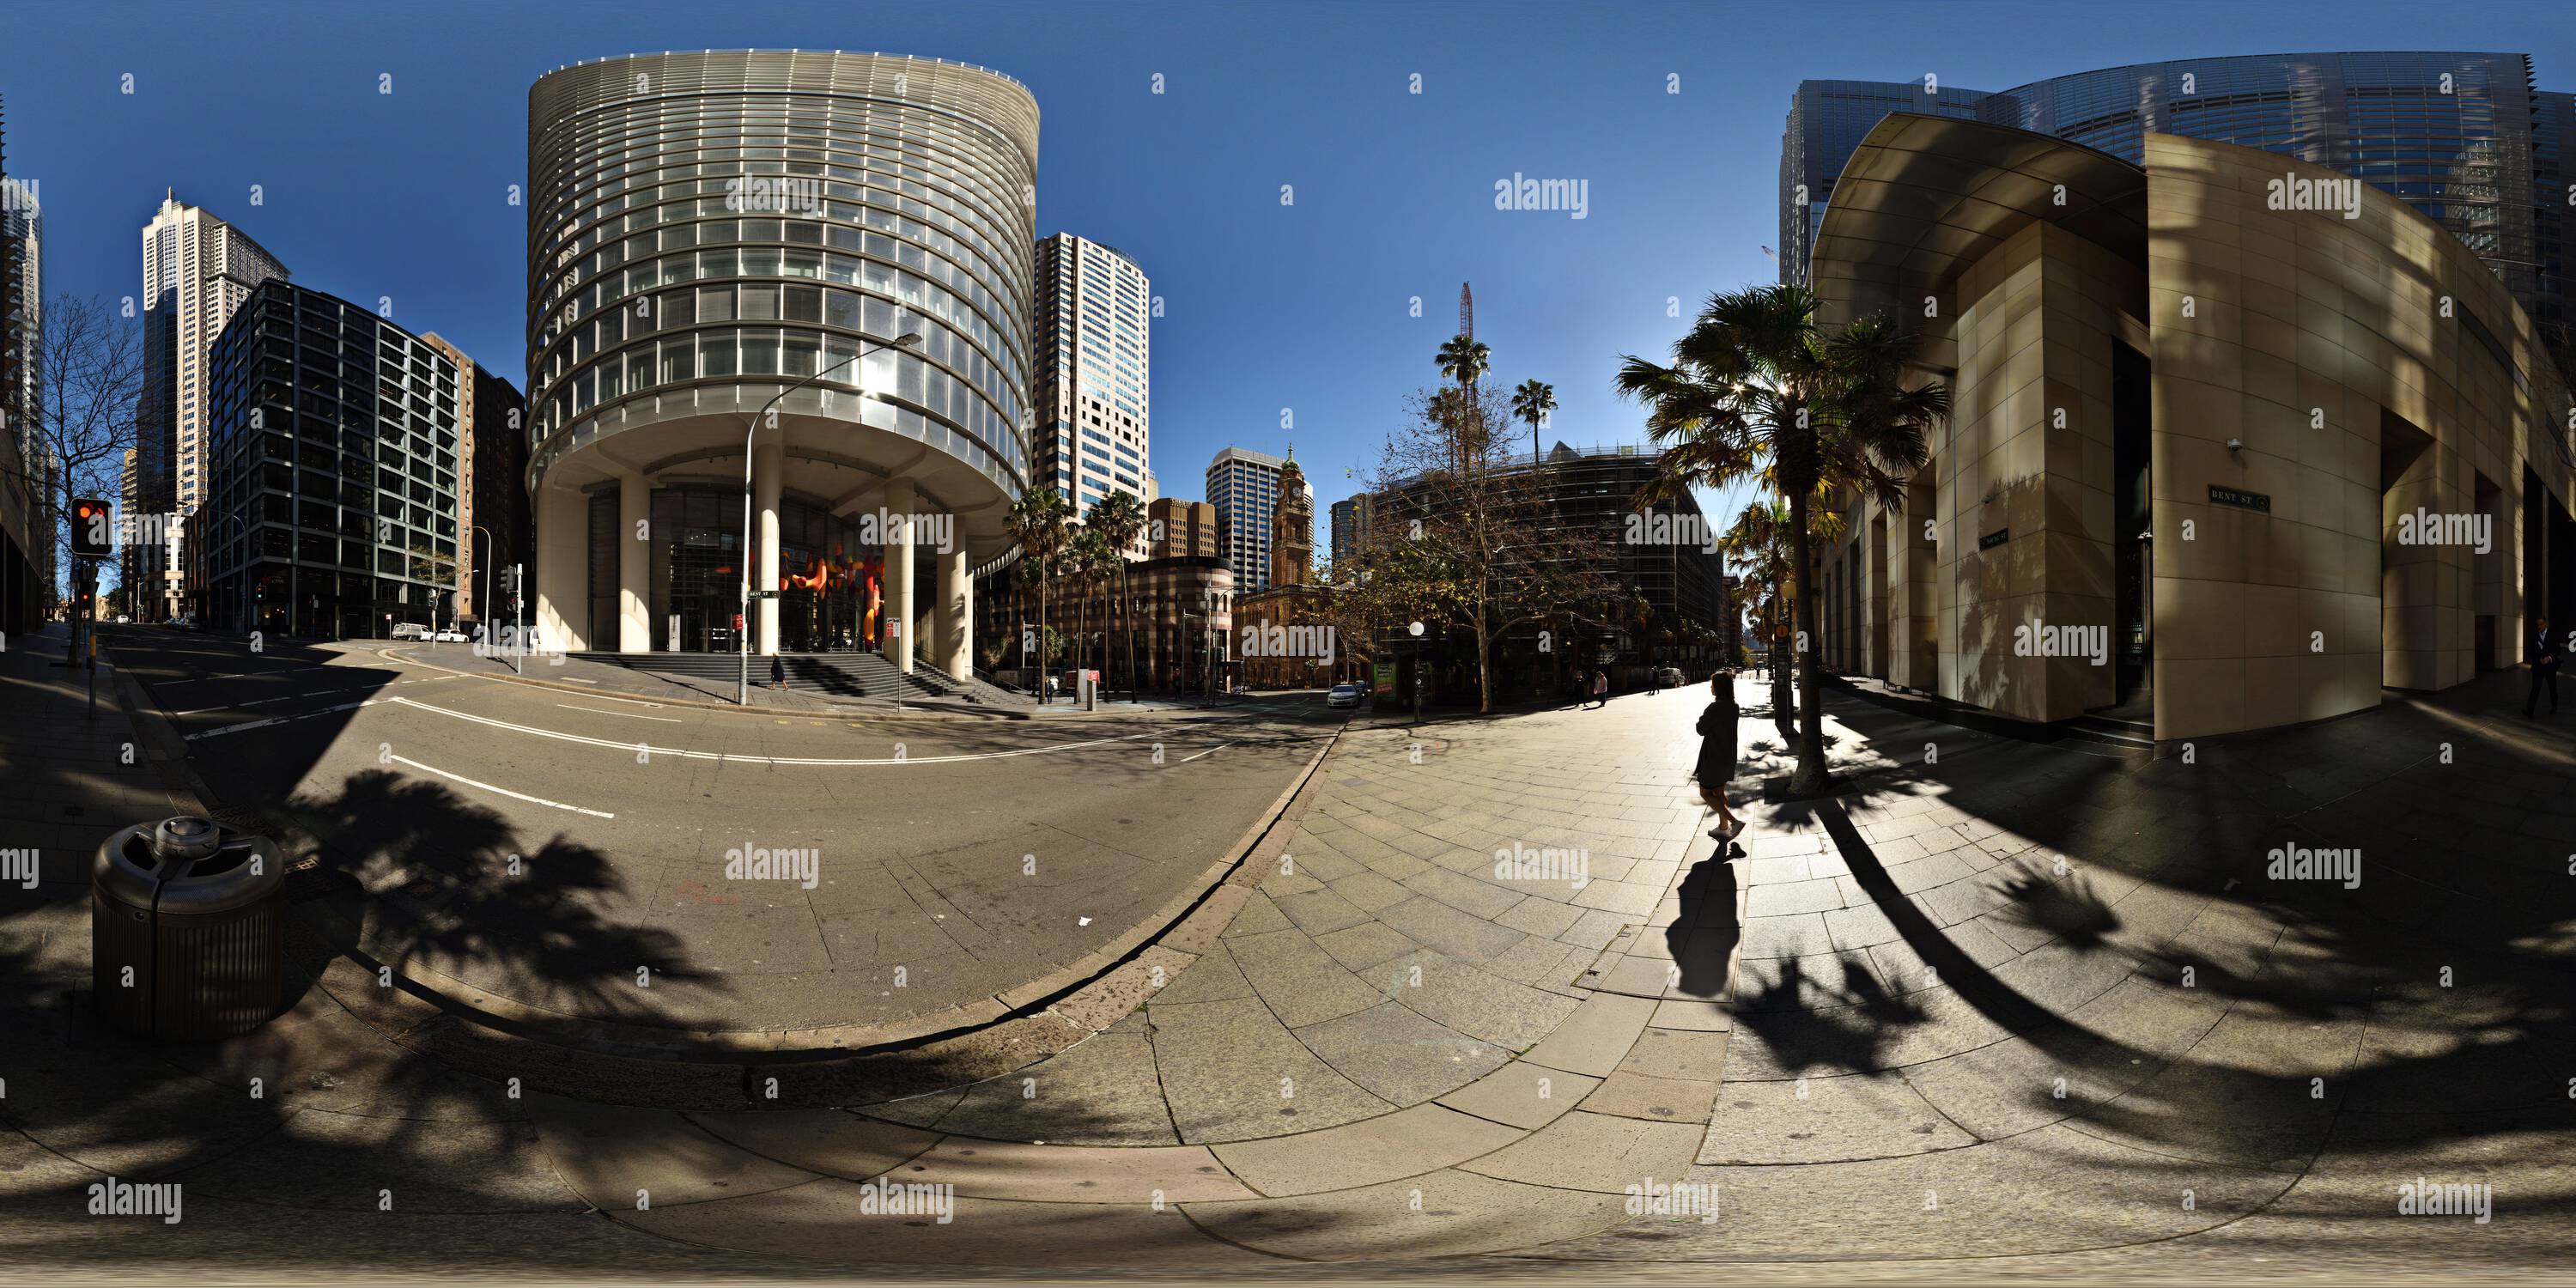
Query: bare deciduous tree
[83,415]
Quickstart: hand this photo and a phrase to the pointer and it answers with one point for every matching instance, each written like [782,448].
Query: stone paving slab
[827,1142]
[1053,1173]
[1408,1142]
[363,1163]
[1442,1214]
[841,1222]
[607,1154]
[1592,1151]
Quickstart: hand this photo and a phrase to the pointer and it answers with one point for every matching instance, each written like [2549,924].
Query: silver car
[1346,695]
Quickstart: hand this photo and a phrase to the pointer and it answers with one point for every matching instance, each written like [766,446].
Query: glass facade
[1827,120]
[2461,137]
[832,588]
[334,450]
[729,218]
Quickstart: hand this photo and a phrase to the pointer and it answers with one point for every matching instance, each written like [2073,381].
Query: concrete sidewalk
[1493,996]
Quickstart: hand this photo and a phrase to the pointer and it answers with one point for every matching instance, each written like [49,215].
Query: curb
[652,1042]
[1031,1022]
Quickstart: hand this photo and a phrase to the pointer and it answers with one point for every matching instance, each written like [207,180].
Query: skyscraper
[1243,485]
[1827,119]
[2461,137]
[333,446]
[868,285]
[1094,368]
[197,269]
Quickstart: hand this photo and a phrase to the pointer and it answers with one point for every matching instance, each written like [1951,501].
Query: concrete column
[953,647]
[634,565]
[898,569]
[768,462]
[562,619]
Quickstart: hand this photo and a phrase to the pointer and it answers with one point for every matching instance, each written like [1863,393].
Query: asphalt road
[601,858]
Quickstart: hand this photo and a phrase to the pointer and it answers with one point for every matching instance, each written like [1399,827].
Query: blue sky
[402,195]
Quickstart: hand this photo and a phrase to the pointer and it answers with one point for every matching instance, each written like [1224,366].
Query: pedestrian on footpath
[2544,670]
[1601,687]
[777,671]
[1717,753]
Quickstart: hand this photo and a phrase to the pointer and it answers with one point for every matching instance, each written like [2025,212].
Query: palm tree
[1757,542]
[1757,388]
[1532,402]
[1119,516]
[1466,361]
[1038,523]
[1088,565]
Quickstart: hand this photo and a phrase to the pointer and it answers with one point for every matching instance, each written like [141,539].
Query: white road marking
[239,675]
[1209,752]
[638,702]
[261,702]
[279,720]
[533,800]
[828,762]
[631,715]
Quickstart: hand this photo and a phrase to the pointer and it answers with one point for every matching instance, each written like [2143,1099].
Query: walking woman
[1717,753]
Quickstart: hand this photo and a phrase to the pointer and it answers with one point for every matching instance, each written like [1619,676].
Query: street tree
[1758,388]
[1119,516]
[73,431]
[1468,544]
[1039,522]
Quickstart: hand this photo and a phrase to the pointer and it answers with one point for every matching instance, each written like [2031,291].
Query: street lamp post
[1416,630]
[742,633]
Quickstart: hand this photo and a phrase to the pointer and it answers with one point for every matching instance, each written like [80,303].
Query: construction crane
[1466,313]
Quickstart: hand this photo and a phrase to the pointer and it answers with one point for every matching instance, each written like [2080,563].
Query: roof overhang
[1925,197]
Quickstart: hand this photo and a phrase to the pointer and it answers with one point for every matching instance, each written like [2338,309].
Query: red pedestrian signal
[93,529]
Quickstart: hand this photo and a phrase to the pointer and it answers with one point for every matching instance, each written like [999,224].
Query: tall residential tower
[197,269]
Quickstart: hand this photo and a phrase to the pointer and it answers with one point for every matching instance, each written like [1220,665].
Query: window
[715,354]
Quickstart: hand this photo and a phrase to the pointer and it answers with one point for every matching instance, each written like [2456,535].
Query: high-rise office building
[26,491]
[1094,368]
[1243,485]
[2461,137]
[708,231]
[334,451]
[491,493]
[1175,528]
[22,227]
[197,269]
[1827,119]
[1352,516]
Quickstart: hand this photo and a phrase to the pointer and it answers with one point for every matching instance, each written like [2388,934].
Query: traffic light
[93,529]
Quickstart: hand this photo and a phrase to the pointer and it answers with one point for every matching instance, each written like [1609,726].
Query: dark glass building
[2464,138]
[1827,119]
[336,446]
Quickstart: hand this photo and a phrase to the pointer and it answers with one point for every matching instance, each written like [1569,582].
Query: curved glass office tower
[707,230]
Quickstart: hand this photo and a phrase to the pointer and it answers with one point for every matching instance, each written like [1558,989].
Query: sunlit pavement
[1896,1036]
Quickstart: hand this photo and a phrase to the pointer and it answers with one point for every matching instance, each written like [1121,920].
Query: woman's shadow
[1702,939]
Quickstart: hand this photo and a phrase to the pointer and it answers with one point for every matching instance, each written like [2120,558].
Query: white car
[1346,695]
[410,631]
[450,635]
[124,618]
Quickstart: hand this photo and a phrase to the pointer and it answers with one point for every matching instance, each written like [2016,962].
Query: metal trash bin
[187,930]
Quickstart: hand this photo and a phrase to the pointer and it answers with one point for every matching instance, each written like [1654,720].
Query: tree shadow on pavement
[2447,965]
[454,888]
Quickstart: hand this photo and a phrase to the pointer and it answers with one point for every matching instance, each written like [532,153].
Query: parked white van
[410,631]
